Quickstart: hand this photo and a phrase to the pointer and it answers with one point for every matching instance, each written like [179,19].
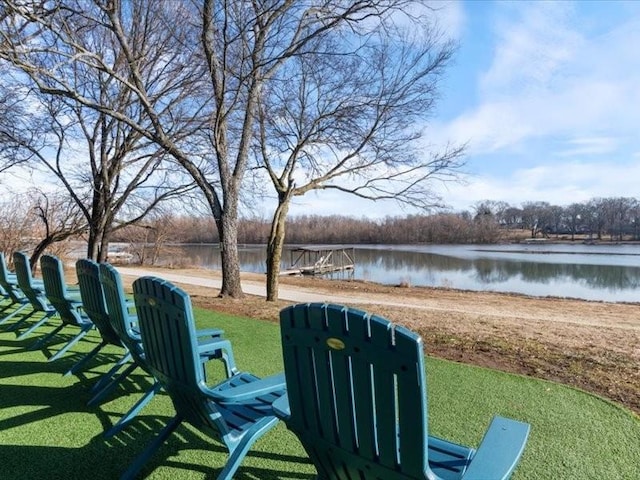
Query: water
[592,272]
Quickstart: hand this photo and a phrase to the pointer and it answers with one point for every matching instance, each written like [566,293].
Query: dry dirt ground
[591,345]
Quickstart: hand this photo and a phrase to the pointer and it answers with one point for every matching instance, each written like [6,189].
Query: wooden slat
[342,379]
[326,409]
[412,420]
[385,395]
[302,394]
[363,393]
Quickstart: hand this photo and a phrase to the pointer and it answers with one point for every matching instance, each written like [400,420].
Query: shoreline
[592,345]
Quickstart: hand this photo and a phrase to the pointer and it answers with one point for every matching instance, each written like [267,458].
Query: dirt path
[592,345]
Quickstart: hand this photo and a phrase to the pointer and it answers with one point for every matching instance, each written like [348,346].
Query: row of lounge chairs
[353,389]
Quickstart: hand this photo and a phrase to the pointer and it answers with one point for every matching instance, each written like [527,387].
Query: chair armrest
[499,451]
[257,388]
[213,347]
[281,408]
[38,288]
[73,297]
[219,349]
[213,333]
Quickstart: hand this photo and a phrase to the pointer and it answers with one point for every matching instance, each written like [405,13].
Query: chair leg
[151,448]
[20,322]
[44,340]
[7,306]
[106,377]
[133,411]
[83,361]
[240,450]
[98,397]
[46,317]
[9,316]
[84,330]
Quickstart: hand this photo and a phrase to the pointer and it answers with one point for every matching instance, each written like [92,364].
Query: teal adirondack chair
[11,292]
[6,277]
[356,400]
[124,324]
[236,411]
[210,345]
[33,290]
[93,304]
[66,302]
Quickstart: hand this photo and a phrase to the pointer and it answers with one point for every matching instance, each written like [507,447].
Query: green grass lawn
[47,431]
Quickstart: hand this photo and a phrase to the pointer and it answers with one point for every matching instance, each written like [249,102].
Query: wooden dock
[320,261]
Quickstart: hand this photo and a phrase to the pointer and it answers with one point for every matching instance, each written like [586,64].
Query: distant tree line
[334,229]
[617,218]
[614,219]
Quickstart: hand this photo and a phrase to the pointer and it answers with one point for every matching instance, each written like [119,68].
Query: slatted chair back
[9,282]
[356,386]
[121,321]
[236,411]
[56,291]
[170,344]
[25,279]
[356,399]
[93,302]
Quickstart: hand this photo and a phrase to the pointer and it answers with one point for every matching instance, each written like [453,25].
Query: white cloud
[337,203]
[560,184]
[582,107]
[531,50]
[589,146]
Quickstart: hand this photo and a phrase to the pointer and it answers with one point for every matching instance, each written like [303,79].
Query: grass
[46,429]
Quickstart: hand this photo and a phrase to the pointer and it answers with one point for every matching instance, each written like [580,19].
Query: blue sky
[547,96]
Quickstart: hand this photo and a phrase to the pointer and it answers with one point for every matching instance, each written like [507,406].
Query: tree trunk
[98,243]
[274,248]
[38,251]
[231,286]
[92,243]
[103,250]
[96,225]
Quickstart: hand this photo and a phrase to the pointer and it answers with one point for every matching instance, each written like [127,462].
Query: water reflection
[611,275]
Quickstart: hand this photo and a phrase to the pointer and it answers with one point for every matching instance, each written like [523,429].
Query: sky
[546,96]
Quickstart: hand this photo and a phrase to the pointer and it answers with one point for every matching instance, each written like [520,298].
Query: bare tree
[574,215]
[11,111]
[615,211]
[554,219]
[111,171]
[113,175]
[37,220]
[347,114]
[60,219]
[17,220]
[594,216]
[535,216]
[491,208]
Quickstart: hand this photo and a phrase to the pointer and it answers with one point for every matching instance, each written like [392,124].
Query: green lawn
[47,431]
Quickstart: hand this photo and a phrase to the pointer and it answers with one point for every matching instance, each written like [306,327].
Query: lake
[592,272]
